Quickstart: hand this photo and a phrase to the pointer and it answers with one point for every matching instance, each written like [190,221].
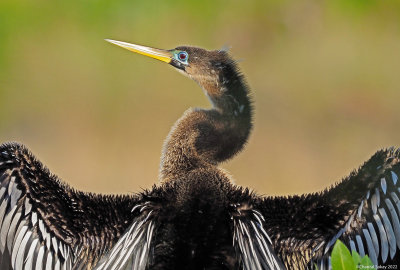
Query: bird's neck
[203,138]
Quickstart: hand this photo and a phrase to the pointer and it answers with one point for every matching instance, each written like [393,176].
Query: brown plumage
[204,138]
[195,218]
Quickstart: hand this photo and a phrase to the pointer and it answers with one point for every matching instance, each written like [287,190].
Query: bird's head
[210,69]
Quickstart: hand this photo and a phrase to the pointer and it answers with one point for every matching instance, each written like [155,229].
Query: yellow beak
[162,55]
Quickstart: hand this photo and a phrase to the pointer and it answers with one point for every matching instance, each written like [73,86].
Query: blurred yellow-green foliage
[325,77]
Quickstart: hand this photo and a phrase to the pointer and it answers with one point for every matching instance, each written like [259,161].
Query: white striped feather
[3,207]
[360,246]
[11,185]
[11,243]
[28,207]
[352,245]
[5,227]
[389,232]
[57,266]
[253,243]
[395,221]
[370,246]
[374,238]
[17,244]
[19,259]
[40,258]
[383,185]
[55,244]
[20,230]
[132,249]
[30,256]
[378,215]
[49,261]
[34,218]
[10,234]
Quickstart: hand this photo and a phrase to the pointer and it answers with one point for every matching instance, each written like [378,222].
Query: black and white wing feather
[25,238]
[373,227]
[46,225]
[251,241]
[132,251]
[363,211]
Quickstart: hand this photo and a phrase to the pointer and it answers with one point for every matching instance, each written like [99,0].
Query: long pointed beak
[162,55]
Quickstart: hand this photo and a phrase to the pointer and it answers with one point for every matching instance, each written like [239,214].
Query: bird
[195,217]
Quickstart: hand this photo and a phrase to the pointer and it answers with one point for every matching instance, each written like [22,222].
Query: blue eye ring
[182,56]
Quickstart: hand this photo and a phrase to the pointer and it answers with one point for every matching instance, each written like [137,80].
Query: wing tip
[21,155]
[16,151]
[388,152]
[12,145]
[12,149]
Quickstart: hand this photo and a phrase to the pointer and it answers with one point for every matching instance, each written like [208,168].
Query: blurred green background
[324,74]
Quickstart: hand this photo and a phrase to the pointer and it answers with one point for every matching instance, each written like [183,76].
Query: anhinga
[195,218]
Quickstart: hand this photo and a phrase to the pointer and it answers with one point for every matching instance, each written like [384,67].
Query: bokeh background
[325,77]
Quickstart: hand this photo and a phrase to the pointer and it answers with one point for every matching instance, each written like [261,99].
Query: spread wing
[44,224]
[362,211]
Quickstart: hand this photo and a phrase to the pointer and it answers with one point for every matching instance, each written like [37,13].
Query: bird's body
[195,218]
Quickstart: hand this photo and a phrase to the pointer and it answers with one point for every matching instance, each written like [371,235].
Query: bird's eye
[182,56]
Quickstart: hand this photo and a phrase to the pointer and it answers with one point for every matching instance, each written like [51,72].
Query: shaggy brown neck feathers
[203,138]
